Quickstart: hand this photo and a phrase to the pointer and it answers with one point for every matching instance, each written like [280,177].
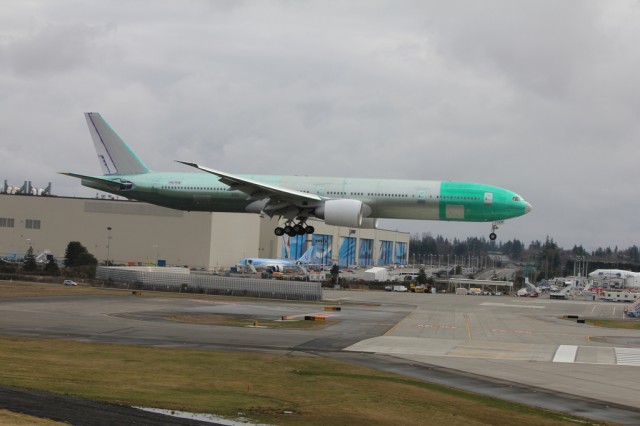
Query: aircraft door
[422,196]
[488,198]
[320,191]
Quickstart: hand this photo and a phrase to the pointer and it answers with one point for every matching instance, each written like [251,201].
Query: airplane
[277,265]
[347,202]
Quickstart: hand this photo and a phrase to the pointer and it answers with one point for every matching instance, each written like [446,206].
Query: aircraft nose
[527,208]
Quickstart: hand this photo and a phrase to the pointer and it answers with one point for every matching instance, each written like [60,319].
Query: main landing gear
[494,227]
[294,229]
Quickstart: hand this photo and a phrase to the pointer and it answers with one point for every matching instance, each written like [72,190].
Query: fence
[151,279]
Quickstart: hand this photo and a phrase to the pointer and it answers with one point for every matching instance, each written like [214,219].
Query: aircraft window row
[457,197]
[381,194]
[336,193]
[194,188]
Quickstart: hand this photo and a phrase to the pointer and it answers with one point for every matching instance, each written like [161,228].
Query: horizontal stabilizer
[113,184]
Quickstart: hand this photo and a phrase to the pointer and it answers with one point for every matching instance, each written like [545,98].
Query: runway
[512,348]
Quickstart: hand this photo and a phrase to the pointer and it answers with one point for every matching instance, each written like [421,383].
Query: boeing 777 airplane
[349,202]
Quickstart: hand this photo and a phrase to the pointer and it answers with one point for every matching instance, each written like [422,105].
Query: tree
[335,271]
[52,267]
[422,276]
[75,255]
[29,263]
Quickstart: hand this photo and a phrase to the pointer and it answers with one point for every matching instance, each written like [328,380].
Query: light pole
[108,243]
[155,246]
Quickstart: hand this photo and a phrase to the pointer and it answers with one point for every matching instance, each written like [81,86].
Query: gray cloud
[540,97]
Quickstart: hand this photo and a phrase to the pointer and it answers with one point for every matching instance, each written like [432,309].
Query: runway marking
[627,356]
[391,330]
[512,306]
[514,331]
[566,353]
[314,314]
[435,326]
[466,320]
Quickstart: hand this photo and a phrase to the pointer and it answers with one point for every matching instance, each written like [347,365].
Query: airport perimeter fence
[208,284]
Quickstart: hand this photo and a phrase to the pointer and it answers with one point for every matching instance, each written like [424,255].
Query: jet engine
[343,212]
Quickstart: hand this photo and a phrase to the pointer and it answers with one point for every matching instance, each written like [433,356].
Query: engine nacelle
[343,212]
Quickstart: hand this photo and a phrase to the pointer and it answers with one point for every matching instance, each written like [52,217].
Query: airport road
[142,320]
[520,340]
[513,348]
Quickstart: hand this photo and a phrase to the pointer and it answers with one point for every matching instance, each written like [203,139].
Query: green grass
[259,386]
[629,324]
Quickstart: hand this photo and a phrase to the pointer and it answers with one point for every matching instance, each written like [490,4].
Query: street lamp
[108,243]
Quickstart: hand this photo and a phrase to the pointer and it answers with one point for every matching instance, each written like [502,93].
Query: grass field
[629,324]
[268,388]
[275,389]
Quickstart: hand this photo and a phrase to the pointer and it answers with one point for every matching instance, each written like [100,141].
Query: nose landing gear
[494,227]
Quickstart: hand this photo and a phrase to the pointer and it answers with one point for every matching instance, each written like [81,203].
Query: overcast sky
[541,97]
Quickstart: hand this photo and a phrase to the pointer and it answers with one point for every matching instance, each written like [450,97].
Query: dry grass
[629,324]
[262,387]
[30,289]
[9,418]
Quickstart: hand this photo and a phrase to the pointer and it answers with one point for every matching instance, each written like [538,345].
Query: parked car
[69,282]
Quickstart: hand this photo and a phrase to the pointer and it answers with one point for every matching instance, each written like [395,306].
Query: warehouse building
[135,233]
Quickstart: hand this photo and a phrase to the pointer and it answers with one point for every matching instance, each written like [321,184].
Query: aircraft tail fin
[306,257]
[114,155]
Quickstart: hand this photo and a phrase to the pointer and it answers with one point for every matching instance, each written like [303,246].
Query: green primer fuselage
[387,198]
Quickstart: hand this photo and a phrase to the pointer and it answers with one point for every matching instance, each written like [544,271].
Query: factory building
[136,233]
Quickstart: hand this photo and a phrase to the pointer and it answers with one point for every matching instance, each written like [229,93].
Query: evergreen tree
[422,276]
[30,264]
[52,267]
[335,271]
[73,252]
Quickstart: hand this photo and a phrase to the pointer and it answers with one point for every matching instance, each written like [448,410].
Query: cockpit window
[516,198]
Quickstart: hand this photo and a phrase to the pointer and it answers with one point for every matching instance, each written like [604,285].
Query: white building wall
[140,233]
[143,233]
[233,237]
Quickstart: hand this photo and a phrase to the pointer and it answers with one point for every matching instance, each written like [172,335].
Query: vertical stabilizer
[306,257]
[115,156]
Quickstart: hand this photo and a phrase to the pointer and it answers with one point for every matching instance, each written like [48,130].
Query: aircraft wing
[258,190]
[116,184]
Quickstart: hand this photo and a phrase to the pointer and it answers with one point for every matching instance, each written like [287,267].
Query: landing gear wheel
[310,230]
[278,231]
[288,230]
[301,231]
[494,227]
[297,228]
